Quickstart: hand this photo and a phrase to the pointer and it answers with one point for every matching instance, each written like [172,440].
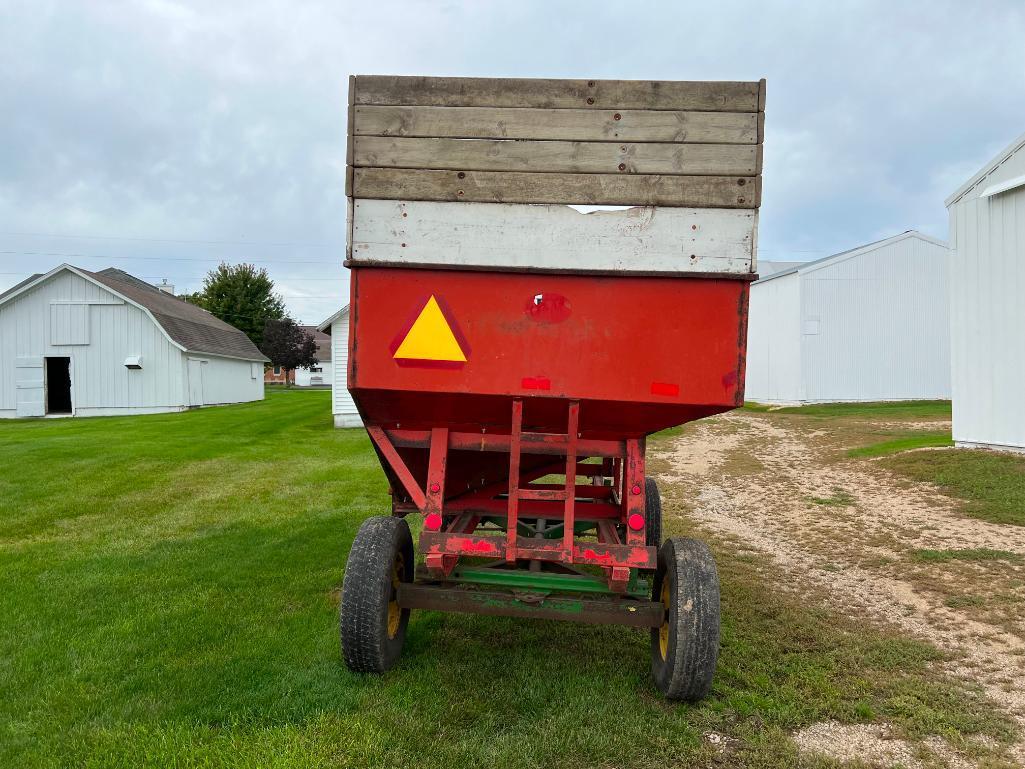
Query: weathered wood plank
[721,96]
[557,156]
[562,124]
[583,189]
[515,236]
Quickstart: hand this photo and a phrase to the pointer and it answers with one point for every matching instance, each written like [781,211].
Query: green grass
[879,410]
[992,485]
[169,598]
[966,554]
[839,498]
[919,440]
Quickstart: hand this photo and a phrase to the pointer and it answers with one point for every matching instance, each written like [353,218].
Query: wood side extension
[598,142]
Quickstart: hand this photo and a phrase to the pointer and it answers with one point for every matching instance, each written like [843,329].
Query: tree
[289,346]
[242,295]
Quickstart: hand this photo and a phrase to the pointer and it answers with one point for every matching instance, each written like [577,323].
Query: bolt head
[435,488]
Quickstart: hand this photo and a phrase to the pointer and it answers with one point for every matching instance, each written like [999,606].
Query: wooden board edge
[760,138]
[761,95]
[590,98]
[441,153]
[706,275]
[390,190]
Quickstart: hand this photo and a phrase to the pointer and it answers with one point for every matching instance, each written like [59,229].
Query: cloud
[172,122]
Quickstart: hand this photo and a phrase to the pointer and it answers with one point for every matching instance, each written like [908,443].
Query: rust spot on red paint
[536,383]
[665,388]
[729,379]
[547,307]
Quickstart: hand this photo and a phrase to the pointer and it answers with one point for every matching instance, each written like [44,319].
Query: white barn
[868,324]
[80,343]
[987,310]
[342,406]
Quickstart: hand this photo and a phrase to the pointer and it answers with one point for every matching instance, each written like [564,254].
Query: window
[254,370]
[277,371]
[317,370]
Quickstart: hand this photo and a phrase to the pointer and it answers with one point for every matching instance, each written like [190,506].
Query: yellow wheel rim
[663,632]
[394,612]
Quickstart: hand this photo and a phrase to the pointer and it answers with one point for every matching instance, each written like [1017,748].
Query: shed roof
[191,328]
[325,326]
[986,170]
[18,286]
[818,264]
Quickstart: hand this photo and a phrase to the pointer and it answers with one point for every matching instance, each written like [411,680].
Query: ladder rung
[556,438]
[558,495]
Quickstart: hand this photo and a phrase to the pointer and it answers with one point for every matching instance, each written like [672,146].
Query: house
[868,324]
[342,406]
[81,343]
[987,303]
[318,376]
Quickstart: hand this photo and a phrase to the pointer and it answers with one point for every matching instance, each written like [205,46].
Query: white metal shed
[868,324]
[987,277]
[81,343]
[342,406]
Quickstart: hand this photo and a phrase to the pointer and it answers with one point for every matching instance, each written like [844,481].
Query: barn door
[195,382]
[30,386]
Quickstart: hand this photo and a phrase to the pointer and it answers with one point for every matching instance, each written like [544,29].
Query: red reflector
[635,521]
[665,388]
[636,489]
[435,488]
[536,383]
[432,522]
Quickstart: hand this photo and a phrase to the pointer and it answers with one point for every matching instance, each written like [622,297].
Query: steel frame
[528,527]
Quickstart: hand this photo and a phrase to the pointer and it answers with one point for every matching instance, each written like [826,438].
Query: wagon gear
[509,356]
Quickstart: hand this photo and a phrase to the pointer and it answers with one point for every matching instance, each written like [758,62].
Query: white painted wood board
[553,237]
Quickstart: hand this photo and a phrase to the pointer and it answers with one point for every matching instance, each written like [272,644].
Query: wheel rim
[394,611]
[663,632]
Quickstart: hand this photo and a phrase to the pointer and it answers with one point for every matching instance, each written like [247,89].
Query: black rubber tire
[652,513]
[692,620]
[368,589]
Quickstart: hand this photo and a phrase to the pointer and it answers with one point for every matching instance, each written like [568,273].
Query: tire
[685,649]
[372,625]
[652,513]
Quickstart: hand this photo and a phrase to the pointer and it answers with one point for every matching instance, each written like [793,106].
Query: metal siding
[882,325]
[773,342]
[987,313]
[342,405]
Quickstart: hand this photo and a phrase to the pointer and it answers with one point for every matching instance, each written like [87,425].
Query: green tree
[242,295]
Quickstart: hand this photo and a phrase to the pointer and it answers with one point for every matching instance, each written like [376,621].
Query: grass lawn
[870,410]
[169,596]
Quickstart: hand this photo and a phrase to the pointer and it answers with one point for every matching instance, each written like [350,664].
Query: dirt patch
[847,531]
[875,745]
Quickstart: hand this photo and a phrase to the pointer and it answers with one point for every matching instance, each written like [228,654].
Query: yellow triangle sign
[430,337]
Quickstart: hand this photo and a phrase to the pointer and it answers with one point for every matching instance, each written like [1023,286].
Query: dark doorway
[58,385]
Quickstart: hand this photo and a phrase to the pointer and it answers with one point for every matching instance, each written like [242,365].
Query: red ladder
[568,446]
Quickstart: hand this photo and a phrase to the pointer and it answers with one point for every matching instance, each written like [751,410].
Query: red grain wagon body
[508,372]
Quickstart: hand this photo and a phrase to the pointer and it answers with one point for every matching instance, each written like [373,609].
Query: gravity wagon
[509,353]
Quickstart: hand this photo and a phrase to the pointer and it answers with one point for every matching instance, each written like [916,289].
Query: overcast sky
[163,136]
